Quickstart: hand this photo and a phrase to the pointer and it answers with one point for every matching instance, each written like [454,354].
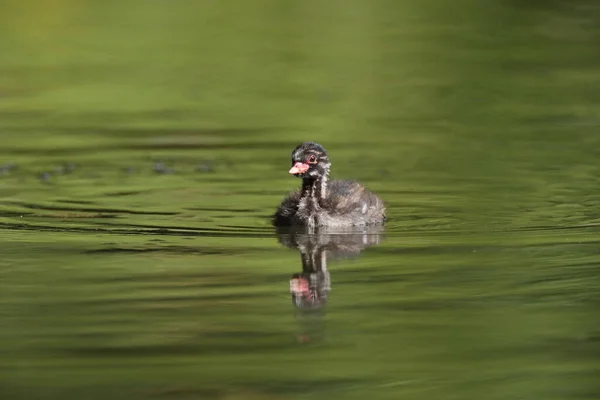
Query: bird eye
[312,160]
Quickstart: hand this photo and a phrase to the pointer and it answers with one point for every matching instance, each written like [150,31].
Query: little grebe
[323,203]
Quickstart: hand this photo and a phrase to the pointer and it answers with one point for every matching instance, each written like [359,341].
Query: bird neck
[315,188]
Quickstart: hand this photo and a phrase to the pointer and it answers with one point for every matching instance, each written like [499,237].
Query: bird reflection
[310,288]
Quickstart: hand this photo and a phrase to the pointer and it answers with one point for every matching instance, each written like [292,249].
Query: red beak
[299,168]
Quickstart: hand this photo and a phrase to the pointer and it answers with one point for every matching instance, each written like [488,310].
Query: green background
[145,144]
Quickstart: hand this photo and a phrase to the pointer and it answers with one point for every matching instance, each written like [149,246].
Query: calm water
[144,145]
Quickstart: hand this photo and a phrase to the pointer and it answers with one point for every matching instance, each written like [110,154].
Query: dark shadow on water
[142,230]
[76,202]
[172,139]
[34,206]
[310,288]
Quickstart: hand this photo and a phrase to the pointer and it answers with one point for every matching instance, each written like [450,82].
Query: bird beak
[299,168]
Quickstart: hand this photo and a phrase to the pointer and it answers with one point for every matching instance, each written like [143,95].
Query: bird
[324,203]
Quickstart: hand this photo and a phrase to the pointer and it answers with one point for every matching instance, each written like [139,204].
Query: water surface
[144,146]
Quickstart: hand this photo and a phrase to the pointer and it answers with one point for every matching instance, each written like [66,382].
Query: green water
[150,143]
